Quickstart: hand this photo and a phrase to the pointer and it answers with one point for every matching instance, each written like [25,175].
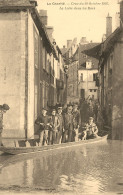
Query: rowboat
[36,149]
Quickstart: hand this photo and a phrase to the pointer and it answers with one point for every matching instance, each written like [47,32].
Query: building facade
[88,70]
[28,66]
[110,55]
[82,72]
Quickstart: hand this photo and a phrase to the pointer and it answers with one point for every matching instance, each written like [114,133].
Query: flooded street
[89,169]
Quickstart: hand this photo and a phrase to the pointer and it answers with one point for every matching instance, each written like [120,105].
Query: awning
[93,52]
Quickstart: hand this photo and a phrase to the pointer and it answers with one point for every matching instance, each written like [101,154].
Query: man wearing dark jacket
[68,124]
[61,126]
[43,121]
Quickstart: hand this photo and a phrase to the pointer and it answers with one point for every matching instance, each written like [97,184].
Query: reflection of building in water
[28,172]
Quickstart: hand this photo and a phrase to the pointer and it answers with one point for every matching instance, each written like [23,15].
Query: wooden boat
[36,149]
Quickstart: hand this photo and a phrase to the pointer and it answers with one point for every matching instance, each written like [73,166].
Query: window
[35,48]
[95,90]
[81,77]
[43,56]
[84,56]
[90,90]
[94,77]
[82,93]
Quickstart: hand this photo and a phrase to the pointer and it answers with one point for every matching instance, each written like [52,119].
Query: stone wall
[13,72]
[117,91]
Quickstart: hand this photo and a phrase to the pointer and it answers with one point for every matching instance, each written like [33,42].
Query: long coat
[76,118]
[68,122]
[61,121]
[54,122]
[44,120]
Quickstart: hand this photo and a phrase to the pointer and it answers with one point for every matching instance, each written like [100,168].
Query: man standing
[68,124]
[61,126]
[43,121]
[54,124]
[3,109]
[76,121]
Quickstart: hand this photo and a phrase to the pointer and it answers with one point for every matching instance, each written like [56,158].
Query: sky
[76,18]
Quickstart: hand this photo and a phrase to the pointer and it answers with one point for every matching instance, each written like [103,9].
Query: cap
[44,109]
[75,105]
[59,106]
[6,107]
[53,109]
[91,118]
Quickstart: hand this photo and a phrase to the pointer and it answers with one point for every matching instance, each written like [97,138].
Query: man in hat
[61,126]
[43,122]
[68,124]
[54,124]
[91,129]
[76,122]
[3,109]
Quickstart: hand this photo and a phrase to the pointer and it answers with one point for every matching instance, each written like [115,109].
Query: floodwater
[89,169]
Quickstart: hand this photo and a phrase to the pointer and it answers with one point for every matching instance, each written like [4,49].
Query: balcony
[59,84]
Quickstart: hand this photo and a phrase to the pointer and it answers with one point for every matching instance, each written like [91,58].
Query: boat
[36,149]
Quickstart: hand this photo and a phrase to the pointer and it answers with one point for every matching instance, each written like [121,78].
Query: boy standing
[54,124]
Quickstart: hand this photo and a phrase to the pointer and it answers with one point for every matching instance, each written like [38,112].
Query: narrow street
[61,108]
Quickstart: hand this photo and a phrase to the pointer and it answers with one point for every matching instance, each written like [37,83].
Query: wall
[87,82]
[30,122]
[13,60]
[72,94]
[117,91]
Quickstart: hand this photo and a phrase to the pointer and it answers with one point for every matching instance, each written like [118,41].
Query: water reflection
[88,169]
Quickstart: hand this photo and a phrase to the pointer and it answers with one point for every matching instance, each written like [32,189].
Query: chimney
[43,16]
[117,19]
[50,32]
[83,41]
[121,13]
[69,42]
[33,2]
[108,25]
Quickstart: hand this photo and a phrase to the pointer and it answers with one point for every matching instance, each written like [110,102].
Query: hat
[59,106]
[6,107]
[44,109]
[53,109]
[75,105]
[90,118]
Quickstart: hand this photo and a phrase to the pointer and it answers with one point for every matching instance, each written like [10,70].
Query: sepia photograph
[61,97]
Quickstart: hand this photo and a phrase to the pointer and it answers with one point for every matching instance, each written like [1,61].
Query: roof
[84,58]
[17,3]
[63,50]
[93,52]
[43,32]
[105,47]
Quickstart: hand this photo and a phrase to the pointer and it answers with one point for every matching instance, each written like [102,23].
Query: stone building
[87,73]
[110,55]
[28,64]
[82,71]
[71,64]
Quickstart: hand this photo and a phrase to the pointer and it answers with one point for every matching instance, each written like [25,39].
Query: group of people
[64,126]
